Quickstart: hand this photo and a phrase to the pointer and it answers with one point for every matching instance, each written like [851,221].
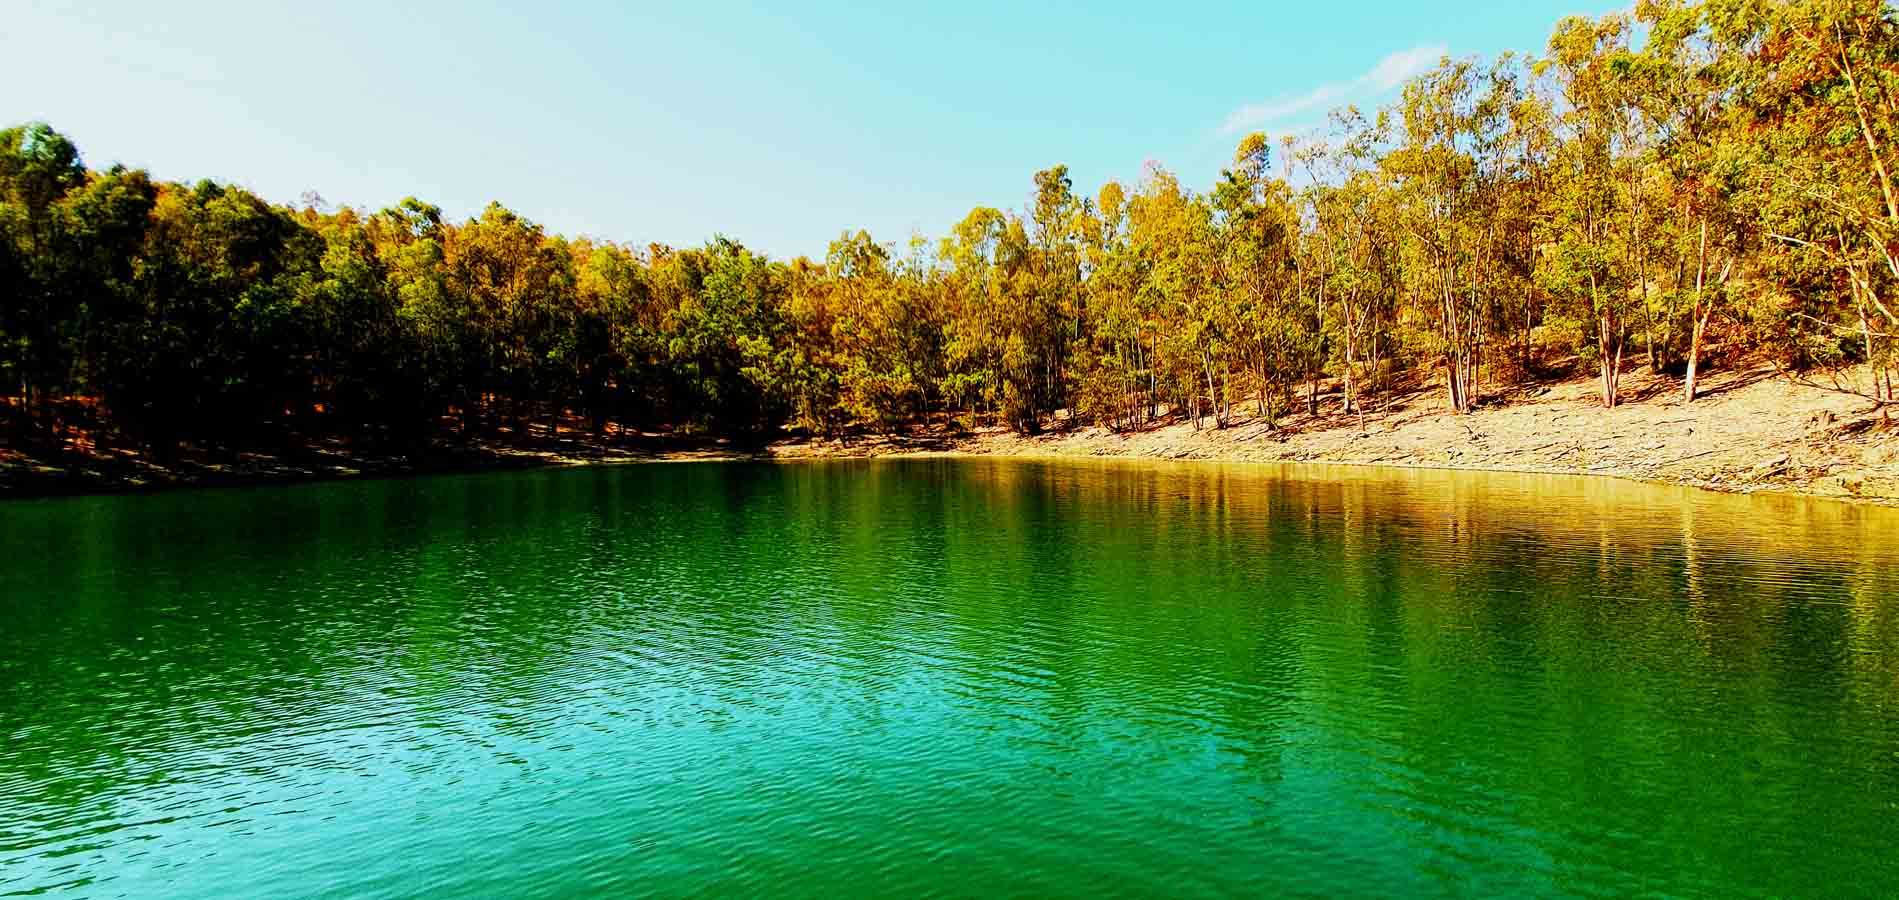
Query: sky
[780,127]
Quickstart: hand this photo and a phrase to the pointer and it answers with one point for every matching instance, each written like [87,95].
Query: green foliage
[1692,173]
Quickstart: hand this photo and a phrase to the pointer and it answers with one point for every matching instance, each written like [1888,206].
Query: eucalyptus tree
[38,168]
[1261,266]
[519,286]
[1435,170]
[1685,80]
[1054,300]
[358,371]
[973,291]
[443,350]
[1824,86]
[84,280]
[1173,231]
[883,330]
[1353,220]
[727,332]
[1595,210]
[1116,383]
[1720,167]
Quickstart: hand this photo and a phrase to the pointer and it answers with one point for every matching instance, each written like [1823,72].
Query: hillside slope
[1749,431]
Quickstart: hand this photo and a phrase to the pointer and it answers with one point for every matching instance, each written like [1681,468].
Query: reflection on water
[953,677]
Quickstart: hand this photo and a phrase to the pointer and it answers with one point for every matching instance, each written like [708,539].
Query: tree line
[1653,186]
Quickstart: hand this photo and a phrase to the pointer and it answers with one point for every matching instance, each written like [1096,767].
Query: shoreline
[1750,433]
[1767,489]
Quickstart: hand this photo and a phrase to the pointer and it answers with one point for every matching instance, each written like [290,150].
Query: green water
[961,678]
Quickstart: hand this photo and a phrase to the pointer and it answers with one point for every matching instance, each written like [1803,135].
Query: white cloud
[1273,110]
[1390,72]
[1402,66]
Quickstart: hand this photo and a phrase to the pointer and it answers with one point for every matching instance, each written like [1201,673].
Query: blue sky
[780,127]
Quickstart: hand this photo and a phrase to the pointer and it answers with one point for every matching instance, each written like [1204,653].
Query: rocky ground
[1751,430]
[83,467]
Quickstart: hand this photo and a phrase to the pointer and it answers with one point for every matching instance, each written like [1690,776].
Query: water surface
[964,678]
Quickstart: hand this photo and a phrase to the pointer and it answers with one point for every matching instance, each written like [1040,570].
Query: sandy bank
[1751,431]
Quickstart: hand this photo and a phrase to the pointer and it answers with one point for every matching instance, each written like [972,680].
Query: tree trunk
[1377,377]
[1694,356]
[1213,397]
[1453,382]
[1259,392]
[1226,394]
[1611,362]
[1351,363]
[1866,329]
[1700,318]
[1152,401]
[1602,362]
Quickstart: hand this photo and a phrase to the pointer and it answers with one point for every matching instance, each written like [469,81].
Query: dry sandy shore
[1751,431]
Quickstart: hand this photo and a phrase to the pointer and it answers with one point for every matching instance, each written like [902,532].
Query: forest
[1674,187]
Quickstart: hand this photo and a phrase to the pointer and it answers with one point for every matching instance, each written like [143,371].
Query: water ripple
[934,678]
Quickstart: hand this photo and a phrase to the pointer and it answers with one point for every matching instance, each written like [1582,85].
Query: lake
[949,677]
